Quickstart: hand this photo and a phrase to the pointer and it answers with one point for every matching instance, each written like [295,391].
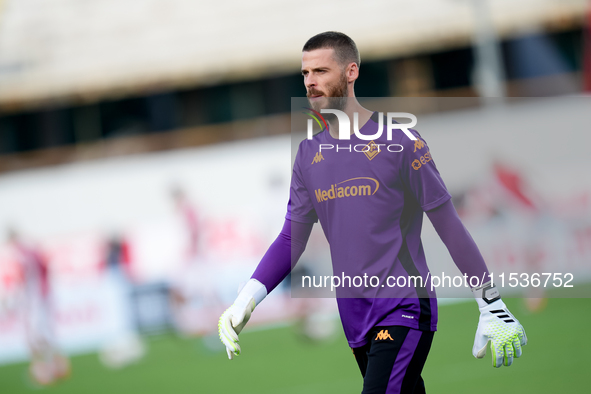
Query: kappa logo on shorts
[383,335]
[317,158]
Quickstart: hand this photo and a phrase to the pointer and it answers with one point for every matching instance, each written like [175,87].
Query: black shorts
[392,360]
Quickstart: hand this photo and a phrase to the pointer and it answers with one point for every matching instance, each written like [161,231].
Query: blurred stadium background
[145,159]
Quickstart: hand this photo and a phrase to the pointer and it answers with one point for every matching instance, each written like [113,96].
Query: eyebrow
[317,69]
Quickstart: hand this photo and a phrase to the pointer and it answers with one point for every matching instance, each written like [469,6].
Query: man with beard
[371,209]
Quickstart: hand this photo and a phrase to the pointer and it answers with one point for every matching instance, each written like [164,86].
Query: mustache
[314,92]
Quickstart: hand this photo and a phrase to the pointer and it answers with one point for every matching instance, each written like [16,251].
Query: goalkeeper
[371,206]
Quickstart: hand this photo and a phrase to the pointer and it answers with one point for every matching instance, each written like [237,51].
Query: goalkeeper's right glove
[236,316]
[498,326]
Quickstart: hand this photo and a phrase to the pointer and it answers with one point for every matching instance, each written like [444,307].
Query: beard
[336,96]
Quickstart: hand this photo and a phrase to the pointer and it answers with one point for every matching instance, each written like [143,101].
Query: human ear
[352,72]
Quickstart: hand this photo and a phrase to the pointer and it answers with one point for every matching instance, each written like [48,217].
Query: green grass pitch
[277,361]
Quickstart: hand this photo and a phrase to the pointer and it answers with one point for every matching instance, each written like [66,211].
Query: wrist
[486,294]
[253,290]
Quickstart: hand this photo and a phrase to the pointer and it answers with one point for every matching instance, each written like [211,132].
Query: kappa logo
[317,158]
[419,144]
[383,335]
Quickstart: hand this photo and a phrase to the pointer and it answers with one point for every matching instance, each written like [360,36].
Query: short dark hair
[344,47]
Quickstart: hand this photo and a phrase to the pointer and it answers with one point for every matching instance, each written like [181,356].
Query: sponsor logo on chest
[354,187]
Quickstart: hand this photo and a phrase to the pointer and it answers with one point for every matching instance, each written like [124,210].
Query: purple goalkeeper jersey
[370,197]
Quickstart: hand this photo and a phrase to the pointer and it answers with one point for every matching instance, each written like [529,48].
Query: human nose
[309,81]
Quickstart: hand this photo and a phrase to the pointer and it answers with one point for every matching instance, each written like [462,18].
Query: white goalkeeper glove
[498,326]
[236,316]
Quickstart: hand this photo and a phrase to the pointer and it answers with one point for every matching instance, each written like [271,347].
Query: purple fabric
[403,360]
[288,247]
[455,236]
[371,206]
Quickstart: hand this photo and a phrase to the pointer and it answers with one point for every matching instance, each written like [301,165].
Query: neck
[352,107]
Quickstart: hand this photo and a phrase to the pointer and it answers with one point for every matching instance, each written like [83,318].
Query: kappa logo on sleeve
[382,335]
[317,158]
[419,144]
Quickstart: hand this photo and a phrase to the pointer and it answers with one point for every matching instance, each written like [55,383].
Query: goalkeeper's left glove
[498,326]
[236,316]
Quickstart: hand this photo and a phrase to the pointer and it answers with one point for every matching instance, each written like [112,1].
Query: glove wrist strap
[486,294]
[252,290]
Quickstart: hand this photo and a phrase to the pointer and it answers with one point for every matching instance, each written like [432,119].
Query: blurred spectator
[190,219]
[47,363]
[126,346]
[118,257]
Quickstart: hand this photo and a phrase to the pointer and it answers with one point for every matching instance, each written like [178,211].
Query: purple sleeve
[300,207]
[288,247]
[419,173]
[461,246]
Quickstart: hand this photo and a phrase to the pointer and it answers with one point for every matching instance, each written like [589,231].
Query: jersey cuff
[300,219]
[436,203]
